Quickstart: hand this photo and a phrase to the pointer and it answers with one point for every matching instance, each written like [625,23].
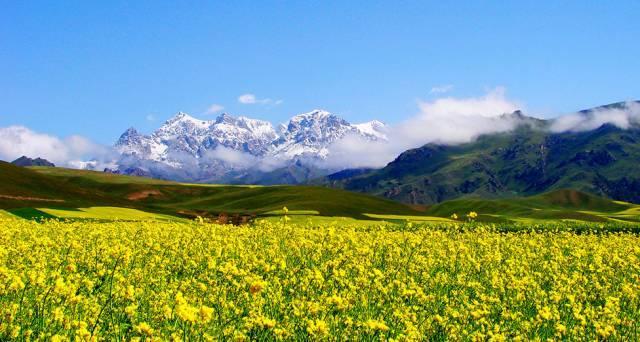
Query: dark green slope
[527,161]
[24,187]
[57,187]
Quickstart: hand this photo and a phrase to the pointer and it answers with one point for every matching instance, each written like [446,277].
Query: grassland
[553,206]
[45,192]
[107,213]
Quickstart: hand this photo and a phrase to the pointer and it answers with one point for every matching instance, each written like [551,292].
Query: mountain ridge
[530,159]
[227,147]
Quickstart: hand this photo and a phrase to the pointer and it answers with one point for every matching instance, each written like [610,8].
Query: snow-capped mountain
[184,134]
[373,128]
[310,134]
[210,149]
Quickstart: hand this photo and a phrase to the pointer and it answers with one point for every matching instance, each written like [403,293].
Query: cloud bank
[17,141]
[447,120]
[231,157]
[621,117]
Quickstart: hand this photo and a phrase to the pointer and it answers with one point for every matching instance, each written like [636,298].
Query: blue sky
[97,67]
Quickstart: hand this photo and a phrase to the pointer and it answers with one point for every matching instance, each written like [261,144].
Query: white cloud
[252,99]
[242,160]
[355,151]
[494,103]
[579,122]
[247,99]
[214,108]
[441,89]
[17,141]
[446,120]
[151,118]
[232,157]
[452,120]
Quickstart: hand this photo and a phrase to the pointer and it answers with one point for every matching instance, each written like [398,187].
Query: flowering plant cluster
[203,281]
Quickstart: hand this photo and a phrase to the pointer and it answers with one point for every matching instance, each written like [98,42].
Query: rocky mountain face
[537,156]
[238,149]
[26,161]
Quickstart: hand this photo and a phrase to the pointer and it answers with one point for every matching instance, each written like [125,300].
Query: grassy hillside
[555,205]
[56,188]
[102,177]
[44,192]
[24,187]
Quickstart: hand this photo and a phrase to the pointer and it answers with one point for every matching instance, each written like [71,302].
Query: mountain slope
[528,160]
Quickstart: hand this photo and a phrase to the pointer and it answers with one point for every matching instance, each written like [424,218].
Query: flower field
[277,280]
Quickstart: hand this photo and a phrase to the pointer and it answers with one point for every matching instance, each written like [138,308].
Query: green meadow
[58,193]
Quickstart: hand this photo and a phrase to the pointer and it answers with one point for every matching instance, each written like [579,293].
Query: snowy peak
[258,127]
[312,116]
[225,118]
[182,116]
[130,137]
[244,125]
[179,116]
[317,117]
[373,128]
[132,143]
[130,133]
[184,119]
[182,124]
[318,126]
[310,135]
[241,134]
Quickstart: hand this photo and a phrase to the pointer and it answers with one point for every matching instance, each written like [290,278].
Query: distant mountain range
[600,157]
[595,150]
[238,149]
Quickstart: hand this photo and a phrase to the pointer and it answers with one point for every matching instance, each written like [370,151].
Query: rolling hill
[47,192]
[46,187]
[561,204]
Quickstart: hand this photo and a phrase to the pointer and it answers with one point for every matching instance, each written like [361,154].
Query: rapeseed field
[86,281]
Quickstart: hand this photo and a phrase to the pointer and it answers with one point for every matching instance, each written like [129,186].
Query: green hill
[24,187]
[555,205]
[45,187]
[526,161]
